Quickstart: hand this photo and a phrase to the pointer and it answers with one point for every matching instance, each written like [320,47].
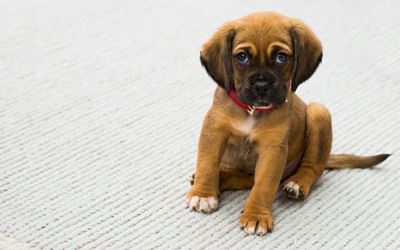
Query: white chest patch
[246,126]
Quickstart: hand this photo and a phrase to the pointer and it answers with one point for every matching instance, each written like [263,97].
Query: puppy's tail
[340,161]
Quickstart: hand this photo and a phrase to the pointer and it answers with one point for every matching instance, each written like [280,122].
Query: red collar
[248,108]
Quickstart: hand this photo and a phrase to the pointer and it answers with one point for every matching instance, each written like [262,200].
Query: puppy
[258,132]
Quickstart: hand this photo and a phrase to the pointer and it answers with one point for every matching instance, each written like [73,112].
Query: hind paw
[294,190]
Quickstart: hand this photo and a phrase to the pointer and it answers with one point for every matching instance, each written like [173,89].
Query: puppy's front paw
[201,201]
[202,204]
[259,223]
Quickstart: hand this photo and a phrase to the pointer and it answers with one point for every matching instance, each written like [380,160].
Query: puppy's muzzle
[262,84]
[261,87]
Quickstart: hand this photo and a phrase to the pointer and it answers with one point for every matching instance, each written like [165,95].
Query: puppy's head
[262,57]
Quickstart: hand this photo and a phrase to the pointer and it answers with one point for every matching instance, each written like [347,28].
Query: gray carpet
[101,104]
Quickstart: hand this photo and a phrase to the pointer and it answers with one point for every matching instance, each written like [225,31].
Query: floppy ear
[307,53]
[216,56]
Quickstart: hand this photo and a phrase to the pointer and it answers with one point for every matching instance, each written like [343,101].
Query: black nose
[261,86]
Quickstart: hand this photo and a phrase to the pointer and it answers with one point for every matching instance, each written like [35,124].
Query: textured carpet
[101,104]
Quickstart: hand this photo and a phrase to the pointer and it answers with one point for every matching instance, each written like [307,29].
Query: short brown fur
[229,157]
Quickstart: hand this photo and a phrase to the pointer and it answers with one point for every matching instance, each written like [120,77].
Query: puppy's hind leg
[316,155]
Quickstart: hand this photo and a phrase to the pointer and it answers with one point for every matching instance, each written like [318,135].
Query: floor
[101,104]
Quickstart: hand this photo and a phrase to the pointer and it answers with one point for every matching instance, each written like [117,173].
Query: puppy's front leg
[257,214]
[203,195]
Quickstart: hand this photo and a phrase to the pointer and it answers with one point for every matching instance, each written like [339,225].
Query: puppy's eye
[242,58]
[280,58]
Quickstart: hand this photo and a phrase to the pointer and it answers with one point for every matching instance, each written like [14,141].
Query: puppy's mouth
[272,99]
[263,104]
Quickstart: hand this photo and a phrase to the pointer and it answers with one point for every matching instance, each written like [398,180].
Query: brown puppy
[258,132]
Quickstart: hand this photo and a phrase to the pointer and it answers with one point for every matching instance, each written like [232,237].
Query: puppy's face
[262,57]
[262,63]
